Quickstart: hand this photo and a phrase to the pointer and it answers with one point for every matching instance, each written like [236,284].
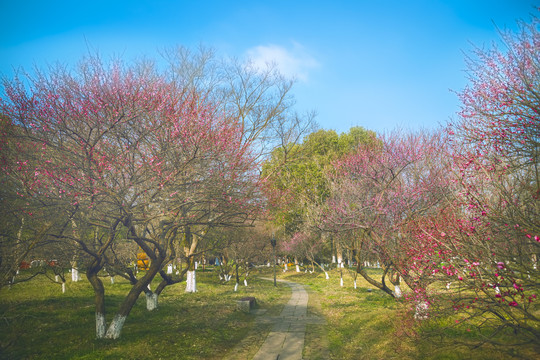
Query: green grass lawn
[39,322]
[364,324]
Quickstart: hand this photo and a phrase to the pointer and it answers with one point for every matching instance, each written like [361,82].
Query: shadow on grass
[40,323]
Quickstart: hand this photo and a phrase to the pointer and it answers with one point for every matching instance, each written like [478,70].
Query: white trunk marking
[397,291]
[245,282]
[191,282]
[55,278]
[235,287]
[355,284]
[327,277]
[74,275]
[112,279]
[63,288]
[341,282]
[297,268]
[151,301]
[100,325]
[114,330]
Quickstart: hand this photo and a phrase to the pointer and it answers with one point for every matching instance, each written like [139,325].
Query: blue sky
[376,64]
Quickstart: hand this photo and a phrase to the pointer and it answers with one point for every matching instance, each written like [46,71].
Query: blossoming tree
[125,152]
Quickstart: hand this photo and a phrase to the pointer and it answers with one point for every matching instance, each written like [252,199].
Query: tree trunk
[151,301]
[339,253]
[379,285]
[191,282]
[320,266]
[74,274]
[115,329]
[99,301]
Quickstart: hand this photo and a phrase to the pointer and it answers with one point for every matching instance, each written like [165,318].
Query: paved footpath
[286,338]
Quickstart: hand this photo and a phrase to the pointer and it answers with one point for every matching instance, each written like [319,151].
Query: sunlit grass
[39,322]
[369,324]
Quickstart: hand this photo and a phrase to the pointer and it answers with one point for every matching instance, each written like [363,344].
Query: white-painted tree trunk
[236,287]
[169,269]
[114,330]
[112,279]
[151,301]
[74,274]
[63,287]
[355,284]
[397,291]
[245,282]
[56,278]
[297,265]
[101,326]
[333,259]
[326,274]
[341,282]
[191,282]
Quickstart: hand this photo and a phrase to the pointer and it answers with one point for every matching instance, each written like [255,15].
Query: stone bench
[245,304]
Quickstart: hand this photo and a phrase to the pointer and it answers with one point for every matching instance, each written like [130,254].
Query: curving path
[286,338]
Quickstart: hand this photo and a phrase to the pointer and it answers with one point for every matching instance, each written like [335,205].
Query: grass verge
[39,322]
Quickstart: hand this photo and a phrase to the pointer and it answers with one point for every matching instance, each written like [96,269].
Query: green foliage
[298,173]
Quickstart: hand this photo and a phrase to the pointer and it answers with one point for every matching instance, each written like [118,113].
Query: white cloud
[294,62]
